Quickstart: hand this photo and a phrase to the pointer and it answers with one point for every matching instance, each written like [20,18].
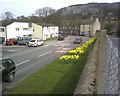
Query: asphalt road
[30,59]
[116,44]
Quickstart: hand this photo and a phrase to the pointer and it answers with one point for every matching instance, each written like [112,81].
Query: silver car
[35,42]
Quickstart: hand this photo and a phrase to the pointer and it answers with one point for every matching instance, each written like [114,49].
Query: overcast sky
[27,7]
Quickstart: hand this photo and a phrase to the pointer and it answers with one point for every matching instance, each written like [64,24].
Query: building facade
[21,29]
[50,32]
[2,34]
[90,27]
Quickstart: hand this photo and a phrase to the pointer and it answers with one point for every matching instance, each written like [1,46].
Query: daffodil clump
[74,54]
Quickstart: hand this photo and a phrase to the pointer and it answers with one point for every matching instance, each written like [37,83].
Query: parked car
[7,66]
[23,42]
[84,34]
[11,42]
[78,40]
[35,42]
[61,37]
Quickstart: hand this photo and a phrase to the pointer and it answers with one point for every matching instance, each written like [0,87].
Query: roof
[87,22]
[45,24]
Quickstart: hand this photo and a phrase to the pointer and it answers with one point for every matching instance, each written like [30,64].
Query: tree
[45,11]
[8,15]
[39,12]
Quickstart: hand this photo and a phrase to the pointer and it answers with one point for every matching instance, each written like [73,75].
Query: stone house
[90,26]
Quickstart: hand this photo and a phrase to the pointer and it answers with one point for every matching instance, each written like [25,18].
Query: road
[116,44]
[30,59]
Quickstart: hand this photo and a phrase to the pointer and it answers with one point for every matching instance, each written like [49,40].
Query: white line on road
[22,62]
[45,53]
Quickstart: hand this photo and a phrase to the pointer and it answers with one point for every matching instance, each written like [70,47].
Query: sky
[28,7]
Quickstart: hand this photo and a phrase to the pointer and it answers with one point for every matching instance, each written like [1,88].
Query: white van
[35,42]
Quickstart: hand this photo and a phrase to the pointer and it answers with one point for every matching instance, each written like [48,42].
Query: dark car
[23,42]
[78,40]
[7,67]
[61,37]
[11,42]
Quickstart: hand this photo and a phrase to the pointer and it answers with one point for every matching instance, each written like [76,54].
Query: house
[2,34]
[22,29]
[49,31]
[90,26]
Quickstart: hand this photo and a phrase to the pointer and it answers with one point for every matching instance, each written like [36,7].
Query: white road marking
[59,48]
[45,53]
[22,62]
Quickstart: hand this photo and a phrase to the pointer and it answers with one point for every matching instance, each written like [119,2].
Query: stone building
[90,27]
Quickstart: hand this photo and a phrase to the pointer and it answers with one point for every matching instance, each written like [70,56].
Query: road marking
[60,41]
[45,53]
[22,62]
[63,50]
[59,48]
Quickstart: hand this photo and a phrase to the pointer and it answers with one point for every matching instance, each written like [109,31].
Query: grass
[55,78]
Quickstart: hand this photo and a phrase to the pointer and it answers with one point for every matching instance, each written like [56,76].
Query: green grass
[54,78]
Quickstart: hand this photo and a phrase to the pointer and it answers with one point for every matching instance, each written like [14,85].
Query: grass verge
[55,78]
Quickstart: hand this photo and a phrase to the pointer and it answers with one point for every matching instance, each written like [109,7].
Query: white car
[35,42]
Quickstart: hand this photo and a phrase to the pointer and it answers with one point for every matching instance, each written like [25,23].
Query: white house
[2,34]
[41,31]
[19,29]
[49,31]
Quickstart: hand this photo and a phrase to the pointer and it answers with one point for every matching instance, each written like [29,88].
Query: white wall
[46,33]
[13,33]
[50,31]
[96,26]
[3,32]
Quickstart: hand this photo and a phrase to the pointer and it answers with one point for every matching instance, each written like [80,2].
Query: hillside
[72,15]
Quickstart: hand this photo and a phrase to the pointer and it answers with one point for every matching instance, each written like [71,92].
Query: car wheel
[12,44]
[42,44]
[10,77]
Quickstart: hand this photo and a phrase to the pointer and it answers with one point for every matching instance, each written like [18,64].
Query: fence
[112,74]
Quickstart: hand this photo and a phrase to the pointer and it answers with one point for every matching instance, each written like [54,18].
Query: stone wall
[100,74]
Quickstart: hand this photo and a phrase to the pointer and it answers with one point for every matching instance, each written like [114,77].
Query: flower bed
[73,55]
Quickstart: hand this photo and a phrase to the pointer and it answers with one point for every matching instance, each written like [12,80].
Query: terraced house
[90,26]
[2,34]
[21,29]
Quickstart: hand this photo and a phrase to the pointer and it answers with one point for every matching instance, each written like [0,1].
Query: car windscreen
[32,40]
[77,39]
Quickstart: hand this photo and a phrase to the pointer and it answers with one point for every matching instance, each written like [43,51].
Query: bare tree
[45,11]
[39,12]
[48,11]
[8,15]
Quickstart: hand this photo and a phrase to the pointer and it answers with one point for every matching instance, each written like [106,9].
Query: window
[25,28]
[17,29]
[10,62]
[2,30]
